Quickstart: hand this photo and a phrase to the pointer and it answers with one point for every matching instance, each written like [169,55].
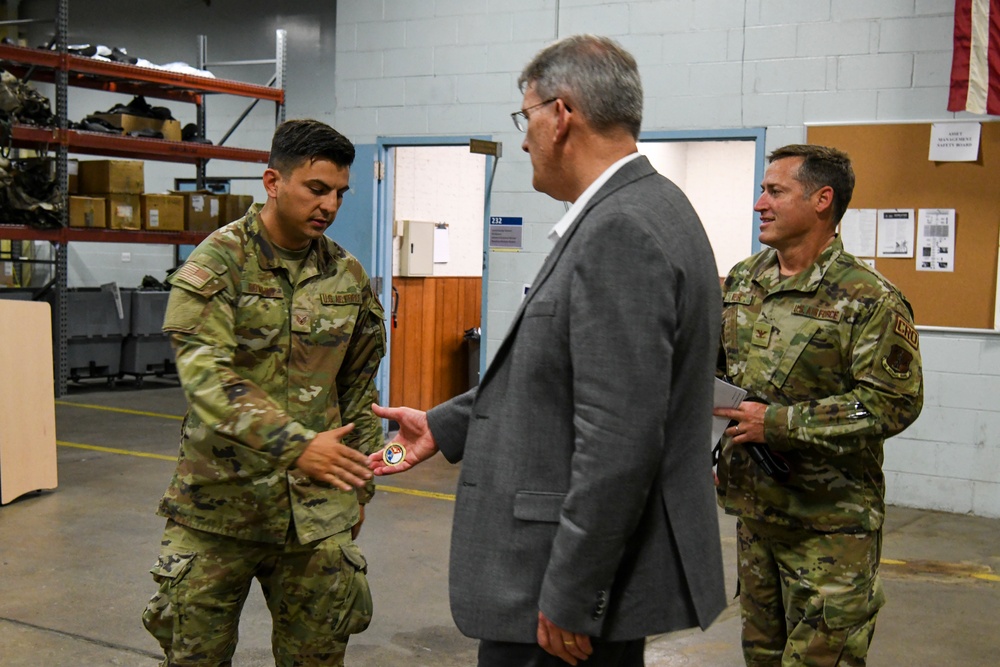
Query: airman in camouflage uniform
[278,337]
[828,350]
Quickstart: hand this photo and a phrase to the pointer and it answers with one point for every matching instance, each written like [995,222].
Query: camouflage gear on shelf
[317,593]
[29,193]
[834,351]
[266,365]
[807,598]
[21,103]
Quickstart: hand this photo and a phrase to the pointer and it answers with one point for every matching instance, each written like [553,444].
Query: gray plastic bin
[146,350]
[94,332]
[92,311]
[94,357]
[148,310]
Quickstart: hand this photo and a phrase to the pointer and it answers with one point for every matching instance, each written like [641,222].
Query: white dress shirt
[561,227]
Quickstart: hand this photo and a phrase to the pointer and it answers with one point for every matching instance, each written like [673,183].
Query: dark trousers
[606,654]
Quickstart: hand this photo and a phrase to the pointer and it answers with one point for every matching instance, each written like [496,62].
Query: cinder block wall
[950,458]
[449,67]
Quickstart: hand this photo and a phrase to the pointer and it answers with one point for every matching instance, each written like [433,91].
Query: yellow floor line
[163,457]
[381,487]
[942,569]
[127,411]
[416,492]
[111,450]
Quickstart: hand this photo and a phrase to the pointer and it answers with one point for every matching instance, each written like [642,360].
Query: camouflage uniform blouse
[834,352]
[265,366]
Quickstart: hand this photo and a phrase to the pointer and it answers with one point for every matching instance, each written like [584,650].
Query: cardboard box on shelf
[73,171]
[163,212]
[234,207]
[7,277]
[170,129]
[87,212]
[123,211]
[202,210]
[117,176]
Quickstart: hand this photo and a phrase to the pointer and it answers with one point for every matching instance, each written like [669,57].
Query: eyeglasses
[520,118]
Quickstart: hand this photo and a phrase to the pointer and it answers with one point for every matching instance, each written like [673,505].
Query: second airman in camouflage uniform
[828,350]
[278,336]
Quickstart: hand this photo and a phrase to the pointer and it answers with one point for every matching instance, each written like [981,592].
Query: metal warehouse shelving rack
[65,70]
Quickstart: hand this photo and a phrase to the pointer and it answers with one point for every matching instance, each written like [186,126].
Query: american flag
[975,62]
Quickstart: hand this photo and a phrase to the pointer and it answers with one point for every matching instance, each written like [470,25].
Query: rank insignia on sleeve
[897,362]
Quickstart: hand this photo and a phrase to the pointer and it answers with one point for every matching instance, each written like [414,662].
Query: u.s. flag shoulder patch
[194,275]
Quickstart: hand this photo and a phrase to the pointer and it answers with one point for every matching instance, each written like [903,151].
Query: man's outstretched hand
[414,435]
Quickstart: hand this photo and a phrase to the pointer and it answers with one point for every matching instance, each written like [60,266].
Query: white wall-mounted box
[417,256]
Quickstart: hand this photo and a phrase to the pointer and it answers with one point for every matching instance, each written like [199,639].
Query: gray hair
[593,75]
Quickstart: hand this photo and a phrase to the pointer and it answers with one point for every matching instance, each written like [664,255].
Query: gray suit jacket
[586,487]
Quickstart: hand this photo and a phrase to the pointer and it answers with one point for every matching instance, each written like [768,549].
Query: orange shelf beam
[130,79]
[76,234]
[99,143]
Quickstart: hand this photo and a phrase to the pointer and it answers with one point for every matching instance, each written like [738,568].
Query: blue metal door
[354,227]
[356,230]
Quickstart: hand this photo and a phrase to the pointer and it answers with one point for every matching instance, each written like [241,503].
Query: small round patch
[394,454]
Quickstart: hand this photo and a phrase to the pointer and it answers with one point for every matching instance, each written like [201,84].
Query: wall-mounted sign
[954,142]
[505,233]
[494,148]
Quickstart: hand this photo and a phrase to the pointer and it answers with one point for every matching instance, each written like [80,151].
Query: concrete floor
[74,563]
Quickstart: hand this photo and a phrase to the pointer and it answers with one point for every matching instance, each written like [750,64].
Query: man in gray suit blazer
[585,518]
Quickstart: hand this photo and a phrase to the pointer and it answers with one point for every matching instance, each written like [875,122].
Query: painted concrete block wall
[706,64]
[443,184]
[92,264]
[450,68]
[950,458]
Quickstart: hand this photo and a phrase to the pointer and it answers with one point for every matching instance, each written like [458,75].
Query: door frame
[383,233]
[755,134]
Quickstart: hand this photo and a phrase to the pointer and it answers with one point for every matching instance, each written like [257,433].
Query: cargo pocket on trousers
[356,610]
[849,610]
[159,616]
[171,568]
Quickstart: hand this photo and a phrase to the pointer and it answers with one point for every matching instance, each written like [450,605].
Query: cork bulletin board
[892,171]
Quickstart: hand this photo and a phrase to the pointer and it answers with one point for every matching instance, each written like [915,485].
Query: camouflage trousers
[317,594]
[807,599]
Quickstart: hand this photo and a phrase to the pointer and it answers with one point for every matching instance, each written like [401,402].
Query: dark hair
[296,141]
[592,74]
[822,166]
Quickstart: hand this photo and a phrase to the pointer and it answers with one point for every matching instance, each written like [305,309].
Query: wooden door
[430,356]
